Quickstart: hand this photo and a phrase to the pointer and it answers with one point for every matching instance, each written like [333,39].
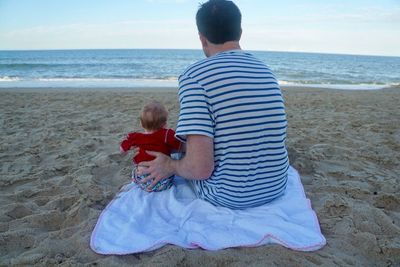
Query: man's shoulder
[193,67]
[203,63]
[221,59]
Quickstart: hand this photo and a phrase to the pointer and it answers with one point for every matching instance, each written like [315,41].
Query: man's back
[234,98]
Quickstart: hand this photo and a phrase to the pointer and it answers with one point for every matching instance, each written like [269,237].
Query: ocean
[121,68]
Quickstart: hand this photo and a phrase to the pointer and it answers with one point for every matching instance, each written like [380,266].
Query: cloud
[363,30]
[333,15]
[366,30]
[346,41]
[124,34]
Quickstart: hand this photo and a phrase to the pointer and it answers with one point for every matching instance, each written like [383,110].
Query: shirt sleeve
[195,116]
[128,142]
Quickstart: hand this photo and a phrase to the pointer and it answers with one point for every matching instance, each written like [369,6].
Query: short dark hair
[219,21]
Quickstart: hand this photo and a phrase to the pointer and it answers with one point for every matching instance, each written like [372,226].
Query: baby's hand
[135,150]
[122,152]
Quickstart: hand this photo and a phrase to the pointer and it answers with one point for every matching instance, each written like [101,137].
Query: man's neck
[213,49]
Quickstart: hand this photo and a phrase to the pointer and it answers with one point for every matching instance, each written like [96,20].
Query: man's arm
[198,163]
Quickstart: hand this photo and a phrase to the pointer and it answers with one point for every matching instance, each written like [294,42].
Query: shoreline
[61,166]
[144,89]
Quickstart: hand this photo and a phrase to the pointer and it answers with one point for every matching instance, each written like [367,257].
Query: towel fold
[138,221]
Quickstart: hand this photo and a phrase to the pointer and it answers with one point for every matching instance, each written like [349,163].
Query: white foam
[362,86]
[9,79]
[87,82]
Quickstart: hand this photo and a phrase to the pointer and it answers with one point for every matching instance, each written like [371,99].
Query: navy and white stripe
[234,98]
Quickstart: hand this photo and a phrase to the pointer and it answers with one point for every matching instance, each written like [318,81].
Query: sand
[60,166]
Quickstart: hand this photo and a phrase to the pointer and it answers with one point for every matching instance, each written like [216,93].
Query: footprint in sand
[18,212]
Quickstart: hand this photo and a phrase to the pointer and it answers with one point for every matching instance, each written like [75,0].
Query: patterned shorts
[164,184]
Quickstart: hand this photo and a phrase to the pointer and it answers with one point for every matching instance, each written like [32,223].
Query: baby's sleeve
[127,143]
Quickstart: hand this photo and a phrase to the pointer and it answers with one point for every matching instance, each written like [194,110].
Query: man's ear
[203,40]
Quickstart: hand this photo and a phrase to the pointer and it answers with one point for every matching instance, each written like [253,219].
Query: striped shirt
[234,98]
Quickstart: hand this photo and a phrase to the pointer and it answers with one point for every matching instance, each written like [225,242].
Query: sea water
[115,68]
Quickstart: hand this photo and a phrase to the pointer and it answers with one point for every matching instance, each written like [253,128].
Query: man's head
[219,21]
[154,116]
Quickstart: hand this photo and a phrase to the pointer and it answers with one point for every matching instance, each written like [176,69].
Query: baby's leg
[160,186]
[135,177]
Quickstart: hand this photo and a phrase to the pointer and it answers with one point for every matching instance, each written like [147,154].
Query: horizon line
[254,50]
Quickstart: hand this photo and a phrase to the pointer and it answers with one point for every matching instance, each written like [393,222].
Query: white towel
[137,221]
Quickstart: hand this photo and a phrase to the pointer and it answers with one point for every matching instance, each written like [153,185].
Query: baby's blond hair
[153,116]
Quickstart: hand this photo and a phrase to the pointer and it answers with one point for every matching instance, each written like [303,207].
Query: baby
[155,137]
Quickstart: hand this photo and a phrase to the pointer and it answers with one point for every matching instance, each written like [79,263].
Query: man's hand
[157,169]
[198,163]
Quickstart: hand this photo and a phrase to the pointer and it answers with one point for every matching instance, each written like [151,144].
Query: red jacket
[163,141]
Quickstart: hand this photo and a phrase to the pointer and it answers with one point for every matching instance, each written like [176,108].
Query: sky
[369,27]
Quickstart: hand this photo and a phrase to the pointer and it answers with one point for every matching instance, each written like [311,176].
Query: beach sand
[60,167]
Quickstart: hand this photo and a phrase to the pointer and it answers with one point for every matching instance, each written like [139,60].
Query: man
[232,118]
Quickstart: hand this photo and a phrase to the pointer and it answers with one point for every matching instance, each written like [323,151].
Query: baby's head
[154,116]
